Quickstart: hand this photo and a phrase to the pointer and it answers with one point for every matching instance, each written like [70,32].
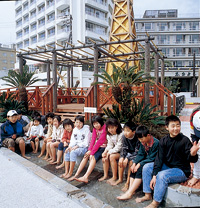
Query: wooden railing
[47,100]
[89,100]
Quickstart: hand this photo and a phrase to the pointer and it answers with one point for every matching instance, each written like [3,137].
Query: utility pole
[194,78]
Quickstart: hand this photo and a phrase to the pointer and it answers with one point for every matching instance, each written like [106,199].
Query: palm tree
[21,81]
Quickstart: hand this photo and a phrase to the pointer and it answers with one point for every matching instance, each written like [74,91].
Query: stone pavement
[24,184]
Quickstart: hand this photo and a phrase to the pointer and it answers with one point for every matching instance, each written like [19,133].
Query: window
[33,13]
[19,11]
[179,38]
[32,2]
[195,38]
[148,26]
[19,34]
[19,45]
[165,51]
[4,54]
[163,26]
[163,39]
[65,11]
[50,3]
[19,23]
[95,12]
[51,31]
[33,26]
[50,17]
[4,68]
[191,51]
[26,30]
[26,43]
[179,26]
[34,39]
[4,61]
[41,8]
[26,6]
[42,36]
[41,22]
[194,25]
[96,28]
[26,18]
[178,51]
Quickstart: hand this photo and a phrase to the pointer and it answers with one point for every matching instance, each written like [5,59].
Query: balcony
[97,4]
[93,18]
[62,4]
[62,34]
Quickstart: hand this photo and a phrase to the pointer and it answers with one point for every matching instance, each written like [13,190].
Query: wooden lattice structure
[123,28]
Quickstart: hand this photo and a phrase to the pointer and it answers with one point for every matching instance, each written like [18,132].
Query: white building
[44,23]
[178,37]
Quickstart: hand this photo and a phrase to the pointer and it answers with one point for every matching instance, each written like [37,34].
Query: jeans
[163,178]
[71,156]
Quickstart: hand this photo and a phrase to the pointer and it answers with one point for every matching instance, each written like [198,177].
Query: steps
[70,110]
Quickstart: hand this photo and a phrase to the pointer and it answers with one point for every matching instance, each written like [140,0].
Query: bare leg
[131,191]
[62,165]
[36,145]
[22,148]
[67,163]
[48,151]
[33,146]
[59,156]
[80,168]
[146,197]
[43,148]
[120,173]
[71,168]
[53,147]
[126,186]
[105,170]
[113,162]
[89,171]
[12,149]
[193,181]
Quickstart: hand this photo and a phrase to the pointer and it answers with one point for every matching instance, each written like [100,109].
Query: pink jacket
[101,141]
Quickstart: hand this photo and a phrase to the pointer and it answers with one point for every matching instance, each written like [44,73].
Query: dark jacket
[144,157]
[130,148]
[9,128]
[175,153]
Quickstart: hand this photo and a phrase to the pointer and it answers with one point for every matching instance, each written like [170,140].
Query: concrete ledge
[77,195]
[182,196]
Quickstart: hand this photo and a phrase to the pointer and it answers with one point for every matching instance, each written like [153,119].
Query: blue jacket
[8,129]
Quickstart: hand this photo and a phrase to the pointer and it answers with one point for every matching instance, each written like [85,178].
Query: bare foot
[117,182]
[67,176]
[102,178]
[53,162]
[40,155]
[154,204]
[60,166]
[72,178]
[82,179]
[45,158]
[142,199]
[125,188]
[26,157]
[34,152]
[48,159]
[125,196]
[63,175]
[193,181]
[111,181]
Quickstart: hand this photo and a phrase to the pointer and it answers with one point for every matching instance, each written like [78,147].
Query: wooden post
[54,59]
[147,71]
[156,74]
[162,72]
[68,77]
[72,75]
[48,74]
[95,72]
[20,64]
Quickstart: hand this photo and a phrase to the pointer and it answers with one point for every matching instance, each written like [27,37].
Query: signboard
[90,110]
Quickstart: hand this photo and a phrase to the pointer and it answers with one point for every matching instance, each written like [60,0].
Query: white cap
[196,123]
[12,113]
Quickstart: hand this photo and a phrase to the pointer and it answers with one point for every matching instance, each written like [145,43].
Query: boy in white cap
[12,133]
[195,135]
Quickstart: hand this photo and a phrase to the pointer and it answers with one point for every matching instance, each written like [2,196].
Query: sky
[186,8]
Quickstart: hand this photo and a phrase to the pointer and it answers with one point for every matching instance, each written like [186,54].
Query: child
[56,138]
[48,137]
[146,154]
[68,127]
[172,163]
[35,134]
[95,150]
[195,135]
[130,147]
[111,153]
[12,133]
[78,145]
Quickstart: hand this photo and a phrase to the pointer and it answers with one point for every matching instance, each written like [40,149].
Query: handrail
[48,89]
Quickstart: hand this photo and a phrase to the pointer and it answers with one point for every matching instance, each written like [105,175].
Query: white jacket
[114,143]
[80,137]
[58,133]
[37,131]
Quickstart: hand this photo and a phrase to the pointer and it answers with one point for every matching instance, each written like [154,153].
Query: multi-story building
[46,22]
[7,59]
[179,39]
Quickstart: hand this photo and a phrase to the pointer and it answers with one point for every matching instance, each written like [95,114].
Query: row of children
[155,163]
